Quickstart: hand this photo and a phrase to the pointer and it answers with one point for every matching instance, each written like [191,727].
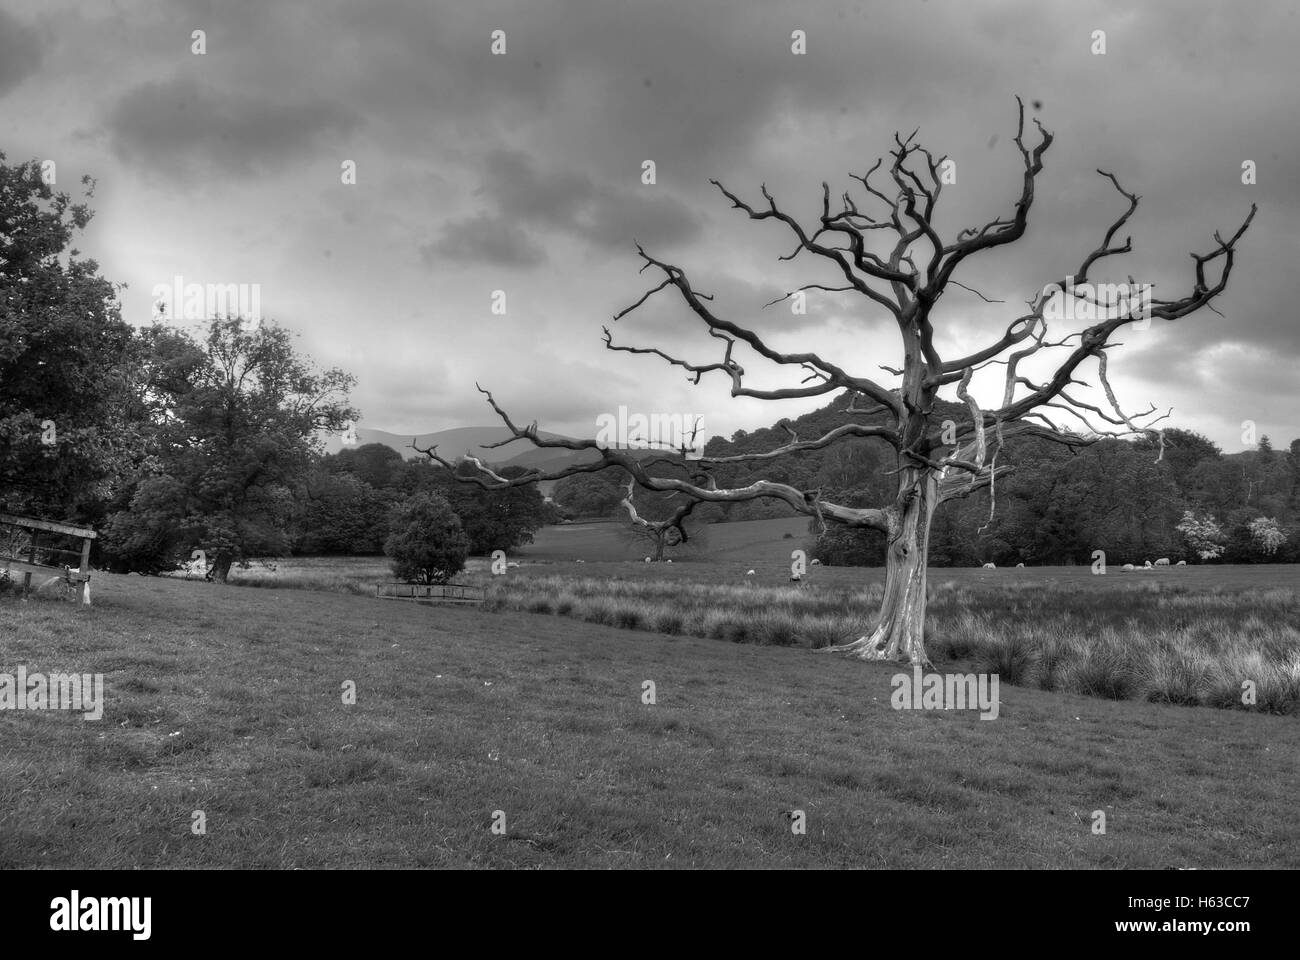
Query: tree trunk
[900,631]
[220,569]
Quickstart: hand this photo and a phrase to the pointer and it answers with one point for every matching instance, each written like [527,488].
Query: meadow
[1181,635]
[230,701]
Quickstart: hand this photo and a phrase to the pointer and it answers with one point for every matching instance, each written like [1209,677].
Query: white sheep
[1181,563]
[990,566]
[795,578]
[667,561]
[749,573]
[816,562]
[1148,566]
[1162,562]
[1128,567]
[579,561]
[647,559]
[1019,565]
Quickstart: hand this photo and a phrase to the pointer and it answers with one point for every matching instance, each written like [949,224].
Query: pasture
[227,700]
[1183,635]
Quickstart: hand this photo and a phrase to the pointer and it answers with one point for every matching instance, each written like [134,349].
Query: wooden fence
[30,546]
[429,592]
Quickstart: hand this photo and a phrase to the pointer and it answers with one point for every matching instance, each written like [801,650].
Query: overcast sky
[522,172]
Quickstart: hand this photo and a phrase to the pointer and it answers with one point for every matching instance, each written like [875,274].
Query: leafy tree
[1203,534]
[1266,536]
[496,519]
[376,464]
[342,515]
[235,427]
[590,494]
[67,360]
[427,544]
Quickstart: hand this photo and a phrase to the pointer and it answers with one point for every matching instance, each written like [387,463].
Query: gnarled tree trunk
[900,631]
[220,569]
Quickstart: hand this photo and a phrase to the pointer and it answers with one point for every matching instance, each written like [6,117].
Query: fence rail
[28,546]
[430,592]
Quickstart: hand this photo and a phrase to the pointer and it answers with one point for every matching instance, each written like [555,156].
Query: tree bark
[900,631]
[220,569]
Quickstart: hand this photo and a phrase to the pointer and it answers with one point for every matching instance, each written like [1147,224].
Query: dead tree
[672,531]
[913,269]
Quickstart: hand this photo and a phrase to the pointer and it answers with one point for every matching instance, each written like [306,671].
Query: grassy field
[1184,635]
[228,701]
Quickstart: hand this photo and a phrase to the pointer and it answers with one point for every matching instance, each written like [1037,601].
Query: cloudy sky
[522,172]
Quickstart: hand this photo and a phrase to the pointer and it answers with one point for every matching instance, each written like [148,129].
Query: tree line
[173,440]
[1131,499]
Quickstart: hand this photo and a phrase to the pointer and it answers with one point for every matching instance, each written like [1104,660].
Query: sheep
[1181,563]
[1019,565]
[667,561]
[1148,566]
[647,559]
[579,561]
[990,566]
[1128,567]
[1162,562]
[795,578]
[513,563]
[749,573]
[816,562]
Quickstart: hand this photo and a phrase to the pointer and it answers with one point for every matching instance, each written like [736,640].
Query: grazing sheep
[647,560]
[1162,562]
[1181,563]
[1019,565]
[1128,567]
[816,562]
[1148,566]
[749,573]
[990,566]
[667,561]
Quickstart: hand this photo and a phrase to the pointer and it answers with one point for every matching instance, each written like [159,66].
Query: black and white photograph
[680,435]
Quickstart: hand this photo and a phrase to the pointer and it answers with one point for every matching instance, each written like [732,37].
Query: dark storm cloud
[183,128]
[515,187]
[489,166]
[523,198]
[20,52]
[484,238]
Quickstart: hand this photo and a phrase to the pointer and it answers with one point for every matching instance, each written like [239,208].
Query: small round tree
[427,544]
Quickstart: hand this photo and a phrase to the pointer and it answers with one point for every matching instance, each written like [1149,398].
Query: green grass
[1179,635]
[1161,641]
[227,700]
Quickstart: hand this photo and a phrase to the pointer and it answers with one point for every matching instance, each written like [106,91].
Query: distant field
[758,545]
[227,701]
[1186,635]
[597,542]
